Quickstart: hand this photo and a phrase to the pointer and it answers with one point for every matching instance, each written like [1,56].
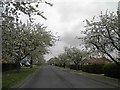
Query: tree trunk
[64,65]
[77,67]
[31,63]
[18,66]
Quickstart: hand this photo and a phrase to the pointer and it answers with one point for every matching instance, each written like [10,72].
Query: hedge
[108,69]
[8,66]
[93,68]
[73,66]
[112,70]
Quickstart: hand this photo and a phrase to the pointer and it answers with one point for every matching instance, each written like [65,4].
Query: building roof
[93,60]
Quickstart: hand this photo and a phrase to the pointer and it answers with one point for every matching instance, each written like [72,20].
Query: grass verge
[9,78]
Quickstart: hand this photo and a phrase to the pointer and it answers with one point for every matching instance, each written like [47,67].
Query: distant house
[94,60]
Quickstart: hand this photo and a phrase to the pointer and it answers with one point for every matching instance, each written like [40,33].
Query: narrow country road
[53,77]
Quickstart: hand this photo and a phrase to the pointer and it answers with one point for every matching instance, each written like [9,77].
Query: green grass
[9,78]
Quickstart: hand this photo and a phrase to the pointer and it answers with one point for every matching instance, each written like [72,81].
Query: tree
[63,59]
[25,41]
[75,55]
[54,61]
[71,54]
[103,35]
[14,9]
[20,40]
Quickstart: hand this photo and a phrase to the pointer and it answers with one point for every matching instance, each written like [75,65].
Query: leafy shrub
[112,70]
[93,68]
[8,66]
[108,69]
[73,66]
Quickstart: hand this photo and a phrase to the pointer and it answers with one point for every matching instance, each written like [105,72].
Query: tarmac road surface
[53,77]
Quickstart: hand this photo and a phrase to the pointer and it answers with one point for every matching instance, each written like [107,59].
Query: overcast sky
[66,18]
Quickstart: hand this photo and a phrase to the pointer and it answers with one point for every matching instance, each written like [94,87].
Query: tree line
[71,55]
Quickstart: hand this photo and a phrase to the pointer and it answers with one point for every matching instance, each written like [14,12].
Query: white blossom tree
[103,35]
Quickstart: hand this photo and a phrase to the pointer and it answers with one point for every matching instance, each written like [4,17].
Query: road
[53,77]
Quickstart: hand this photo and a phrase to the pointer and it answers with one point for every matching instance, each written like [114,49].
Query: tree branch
[112,41]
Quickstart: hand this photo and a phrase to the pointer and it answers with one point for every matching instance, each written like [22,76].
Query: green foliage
[108,69]
[73,66]
[8,66]
[93,68]
[112,70]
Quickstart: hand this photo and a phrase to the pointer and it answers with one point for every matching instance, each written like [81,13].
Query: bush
[93,68]
[8,66]
[73,66]
[112,70]
[108,69]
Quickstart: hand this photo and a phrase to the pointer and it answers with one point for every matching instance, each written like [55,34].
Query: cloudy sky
[66,17]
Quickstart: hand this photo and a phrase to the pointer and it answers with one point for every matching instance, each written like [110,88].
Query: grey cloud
[73,10]
[69,11]
[70,38]
[56,50]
